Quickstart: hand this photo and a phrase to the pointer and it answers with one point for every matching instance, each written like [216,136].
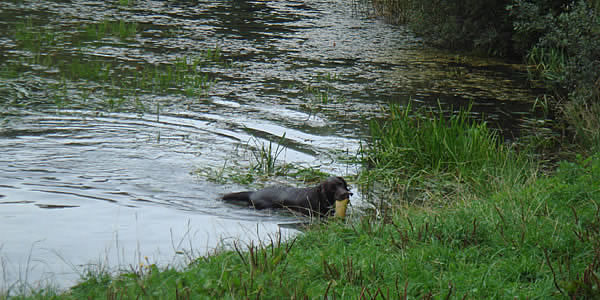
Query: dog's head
[335,188]
[336,192]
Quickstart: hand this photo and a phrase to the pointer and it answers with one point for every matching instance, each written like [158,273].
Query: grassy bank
[523,234]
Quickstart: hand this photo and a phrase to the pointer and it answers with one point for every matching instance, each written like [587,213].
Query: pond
[122,122]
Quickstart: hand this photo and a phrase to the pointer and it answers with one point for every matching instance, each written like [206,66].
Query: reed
[584,118]
[266,156]
[107,28]
[549,64]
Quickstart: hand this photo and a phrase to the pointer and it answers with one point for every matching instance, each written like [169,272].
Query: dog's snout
[346,193]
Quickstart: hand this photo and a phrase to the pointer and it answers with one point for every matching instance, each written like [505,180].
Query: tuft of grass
[226,174]
[264,161]
[116,28]
[307,174]
[253,176]
[266,156]
[549,64]
[425,151]
[323,95]
[584,120]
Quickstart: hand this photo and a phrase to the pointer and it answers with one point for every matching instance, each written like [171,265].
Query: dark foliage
[560,38]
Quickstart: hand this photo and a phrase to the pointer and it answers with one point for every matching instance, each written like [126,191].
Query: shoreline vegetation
[458,213]
[481,222]
[559,40]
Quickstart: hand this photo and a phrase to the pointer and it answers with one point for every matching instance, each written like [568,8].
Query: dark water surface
[108,112]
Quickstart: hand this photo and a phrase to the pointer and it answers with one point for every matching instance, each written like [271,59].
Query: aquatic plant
[307,174]
[329,76]
[34,37]
[322,95]
[185,75]
[126,2]
[266,156]
[108,27]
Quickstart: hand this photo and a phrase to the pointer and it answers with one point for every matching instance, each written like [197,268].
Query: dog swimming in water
[331,195]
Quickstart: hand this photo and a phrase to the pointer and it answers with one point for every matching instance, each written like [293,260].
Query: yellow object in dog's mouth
[340,207]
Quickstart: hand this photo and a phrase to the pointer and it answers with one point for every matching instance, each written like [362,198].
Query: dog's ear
[327,191]
[343,182]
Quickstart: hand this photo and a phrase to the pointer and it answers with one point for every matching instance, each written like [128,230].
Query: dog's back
[317,199]
[281,196]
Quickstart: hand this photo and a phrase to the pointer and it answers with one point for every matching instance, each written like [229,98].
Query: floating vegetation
[106,28]
[59,55]
[185,75]
[323,96]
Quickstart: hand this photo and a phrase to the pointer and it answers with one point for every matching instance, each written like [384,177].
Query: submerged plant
[34,37]
[51,57]
[117,28]
[550,64]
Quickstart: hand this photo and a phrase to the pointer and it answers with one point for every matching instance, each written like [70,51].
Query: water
[106,162]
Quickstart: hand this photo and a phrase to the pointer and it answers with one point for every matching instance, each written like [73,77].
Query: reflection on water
[108,110]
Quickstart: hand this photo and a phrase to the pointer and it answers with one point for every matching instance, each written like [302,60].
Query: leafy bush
[561,38]
[564,43]
[466,25]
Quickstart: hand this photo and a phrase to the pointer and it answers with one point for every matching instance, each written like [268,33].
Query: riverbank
[140,107]
[535,235]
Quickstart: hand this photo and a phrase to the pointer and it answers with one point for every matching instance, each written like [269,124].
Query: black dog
[320,199]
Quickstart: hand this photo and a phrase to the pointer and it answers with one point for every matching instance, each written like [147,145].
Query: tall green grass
[266,157]
[584,120]
[430,151]
[550,64]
